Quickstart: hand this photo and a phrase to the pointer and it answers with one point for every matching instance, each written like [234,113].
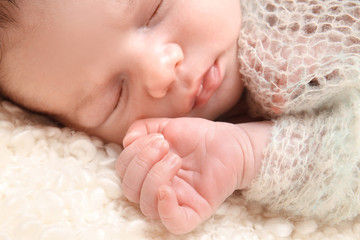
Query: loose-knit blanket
[301,63]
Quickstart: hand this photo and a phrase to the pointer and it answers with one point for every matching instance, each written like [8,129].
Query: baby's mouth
[200,90]
[209,84]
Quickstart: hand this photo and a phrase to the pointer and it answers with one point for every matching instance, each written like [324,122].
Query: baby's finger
[144,127]
[177,219]
[129,153]
[162,173]
[139,167]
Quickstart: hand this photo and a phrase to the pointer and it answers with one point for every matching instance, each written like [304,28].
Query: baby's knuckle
[156,175]
[142,160]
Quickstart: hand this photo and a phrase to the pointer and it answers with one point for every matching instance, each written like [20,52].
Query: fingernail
[161,195]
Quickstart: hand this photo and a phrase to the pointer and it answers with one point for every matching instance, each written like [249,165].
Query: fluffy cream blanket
[56,183]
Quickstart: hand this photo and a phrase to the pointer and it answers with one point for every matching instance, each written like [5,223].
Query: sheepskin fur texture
[56,183]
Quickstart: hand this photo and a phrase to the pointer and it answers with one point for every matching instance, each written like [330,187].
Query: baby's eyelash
[156,10]
[118,98]
[119,94]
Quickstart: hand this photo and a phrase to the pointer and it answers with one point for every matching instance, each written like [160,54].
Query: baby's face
[99,65]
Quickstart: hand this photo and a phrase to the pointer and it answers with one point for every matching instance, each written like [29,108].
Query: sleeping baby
[155,75]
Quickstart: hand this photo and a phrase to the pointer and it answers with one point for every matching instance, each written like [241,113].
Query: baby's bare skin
[180,170]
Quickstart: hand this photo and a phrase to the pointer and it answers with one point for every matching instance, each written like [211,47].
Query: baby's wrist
[244,159]
[253,138]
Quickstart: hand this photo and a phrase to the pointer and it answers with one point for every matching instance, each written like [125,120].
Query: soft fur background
[56,183]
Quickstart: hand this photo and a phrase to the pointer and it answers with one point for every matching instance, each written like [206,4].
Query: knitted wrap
[301,64]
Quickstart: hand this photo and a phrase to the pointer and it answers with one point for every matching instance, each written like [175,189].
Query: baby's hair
[7,19]
[5,15]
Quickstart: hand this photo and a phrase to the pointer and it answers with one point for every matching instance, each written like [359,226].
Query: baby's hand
[180,170]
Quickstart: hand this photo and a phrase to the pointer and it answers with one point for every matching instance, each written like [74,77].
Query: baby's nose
[161,69]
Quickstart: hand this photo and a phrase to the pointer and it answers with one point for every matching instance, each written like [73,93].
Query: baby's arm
[184,177]
[312,166]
